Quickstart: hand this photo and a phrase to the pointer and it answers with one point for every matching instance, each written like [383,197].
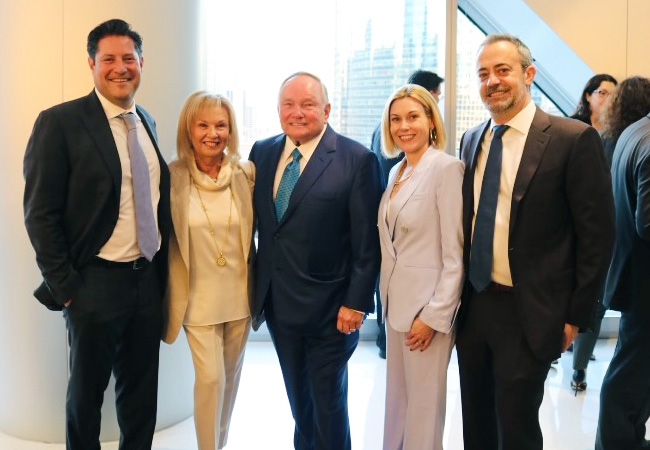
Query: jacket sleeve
[46,171]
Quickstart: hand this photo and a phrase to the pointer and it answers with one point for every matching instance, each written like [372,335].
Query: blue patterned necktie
[481,254]
[287,182]
[147,231]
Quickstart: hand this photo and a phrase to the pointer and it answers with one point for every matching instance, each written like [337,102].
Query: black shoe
[579,381]
[555,361]
[592,357]
[382,353]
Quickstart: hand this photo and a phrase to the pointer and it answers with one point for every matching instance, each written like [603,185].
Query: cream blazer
[177,294]
[422,244]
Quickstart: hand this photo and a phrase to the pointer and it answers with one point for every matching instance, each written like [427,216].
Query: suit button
[404,229]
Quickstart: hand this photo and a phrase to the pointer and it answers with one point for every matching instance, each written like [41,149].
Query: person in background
[629,102]
[210,257]
[97,213]
[432,83]
[593,97]
[420,224]
[538,221]
[316,200]
[625,394]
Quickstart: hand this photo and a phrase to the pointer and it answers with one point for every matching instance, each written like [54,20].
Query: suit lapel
[536,143]
[402,197]
[266,176]
[321,158]
[180,200]
[95,121]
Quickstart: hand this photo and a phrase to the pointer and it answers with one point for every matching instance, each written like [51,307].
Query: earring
[432,136]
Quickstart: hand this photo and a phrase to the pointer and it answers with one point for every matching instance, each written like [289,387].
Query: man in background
[625,395]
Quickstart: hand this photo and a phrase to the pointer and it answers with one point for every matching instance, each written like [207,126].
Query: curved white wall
[42,48]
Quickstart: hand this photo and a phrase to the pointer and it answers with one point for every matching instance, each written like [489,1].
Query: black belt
[138,264]
[496,288]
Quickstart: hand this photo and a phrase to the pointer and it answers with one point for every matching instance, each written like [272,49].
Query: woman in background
[629,102]
[421,236]
[211,254]
[593,97]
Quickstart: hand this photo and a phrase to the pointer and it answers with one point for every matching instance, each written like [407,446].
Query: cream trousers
[218,356]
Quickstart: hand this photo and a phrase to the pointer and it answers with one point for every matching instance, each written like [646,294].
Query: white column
[44,62]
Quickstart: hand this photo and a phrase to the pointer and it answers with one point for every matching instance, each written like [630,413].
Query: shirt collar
[523,120]
[112,110]
[306,150]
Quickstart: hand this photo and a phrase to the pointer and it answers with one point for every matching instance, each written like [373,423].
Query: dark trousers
[583,346]
[381,335]
[114,325]
[501,381]
[625,395]
[315,375]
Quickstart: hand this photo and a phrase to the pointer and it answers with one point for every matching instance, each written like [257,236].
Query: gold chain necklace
[221,260]
[398,179]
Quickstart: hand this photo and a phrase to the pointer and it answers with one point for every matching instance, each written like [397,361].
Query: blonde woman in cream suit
[210,258]
[421,235]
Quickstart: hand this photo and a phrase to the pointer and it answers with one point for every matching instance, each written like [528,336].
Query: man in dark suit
[538,227]
[97,213]
[316,199]
[625,395]
[431,82]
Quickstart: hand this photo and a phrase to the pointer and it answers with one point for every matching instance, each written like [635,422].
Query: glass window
[362,50]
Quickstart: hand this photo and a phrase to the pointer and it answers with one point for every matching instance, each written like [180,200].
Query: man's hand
[68,303]
[348,320]
[420,335]
[570,334]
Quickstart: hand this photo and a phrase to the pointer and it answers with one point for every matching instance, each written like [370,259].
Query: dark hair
[113,27]
[583,111]
[525,57]
[428,80]
[627,104]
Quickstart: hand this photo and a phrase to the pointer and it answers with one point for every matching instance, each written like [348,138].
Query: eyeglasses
[601,93]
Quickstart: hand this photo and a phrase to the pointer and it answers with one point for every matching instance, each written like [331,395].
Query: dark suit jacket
[561,227]
[324,253]
[628,280]
[72,193]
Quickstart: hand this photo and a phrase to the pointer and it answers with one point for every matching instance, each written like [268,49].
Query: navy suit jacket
[324,253]
[561,227]
[72,193]
[628,282]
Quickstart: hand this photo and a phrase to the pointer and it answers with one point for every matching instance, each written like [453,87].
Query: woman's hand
[420,335]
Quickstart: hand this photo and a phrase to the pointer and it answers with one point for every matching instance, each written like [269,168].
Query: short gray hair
[524,52]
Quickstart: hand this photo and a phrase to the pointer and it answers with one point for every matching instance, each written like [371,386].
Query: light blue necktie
[481,254]
[146,223]
[287,182]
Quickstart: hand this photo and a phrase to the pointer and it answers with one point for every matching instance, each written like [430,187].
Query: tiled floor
[262,419]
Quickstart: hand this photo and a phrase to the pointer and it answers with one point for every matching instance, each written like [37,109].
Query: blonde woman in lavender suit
[421,235]
[210,258]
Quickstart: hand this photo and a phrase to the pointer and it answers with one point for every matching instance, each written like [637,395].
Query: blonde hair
[195,103]
[424,97]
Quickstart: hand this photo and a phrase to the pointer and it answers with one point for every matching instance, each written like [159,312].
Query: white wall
[44,62]
[610,36]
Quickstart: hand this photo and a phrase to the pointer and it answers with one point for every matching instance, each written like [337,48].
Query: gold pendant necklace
[221,260]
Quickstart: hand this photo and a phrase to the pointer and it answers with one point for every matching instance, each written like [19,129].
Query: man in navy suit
[316,199]
[99,223]
[625,396]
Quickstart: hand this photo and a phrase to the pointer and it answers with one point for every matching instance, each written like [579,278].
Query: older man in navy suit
[316,200]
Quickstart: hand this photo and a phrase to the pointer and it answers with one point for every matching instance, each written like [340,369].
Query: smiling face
[503,82]
[303,109]
[409,125]
[209,132]
[116,69]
